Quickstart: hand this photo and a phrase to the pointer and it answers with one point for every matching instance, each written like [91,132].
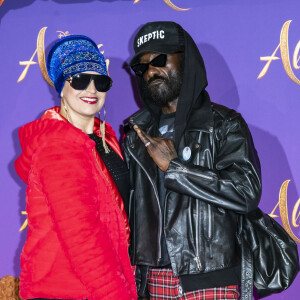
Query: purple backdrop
[232,36]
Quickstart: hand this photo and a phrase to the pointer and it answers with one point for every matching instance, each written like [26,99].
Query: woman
[77,237]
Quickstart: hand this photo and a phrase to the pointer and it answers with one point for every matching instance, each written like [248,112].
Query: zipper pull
[197,260]
[180,291]
[181,169]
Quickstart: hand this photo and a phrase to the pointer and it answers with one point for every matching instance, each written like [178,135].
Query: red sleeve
[69,180]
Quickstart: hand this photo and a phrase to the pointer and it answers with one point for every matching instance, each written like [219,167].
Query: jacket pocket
[130,205]
[131,221]
[197,235]
[208,226]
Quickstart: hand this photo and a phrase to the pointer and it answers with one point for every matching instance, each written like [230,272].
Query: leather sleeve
[233,183]
[69,181]
[126,154]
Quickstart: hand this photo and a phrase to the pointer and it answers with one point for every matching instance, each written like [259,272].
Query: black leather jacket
[215,177]
[204,195]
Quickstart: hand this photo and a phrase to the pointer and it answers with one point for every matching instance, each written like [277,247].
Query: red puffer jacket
[77,239]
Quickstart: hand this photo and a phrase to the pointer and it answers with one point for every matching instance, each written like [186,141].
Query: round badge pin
[186,153]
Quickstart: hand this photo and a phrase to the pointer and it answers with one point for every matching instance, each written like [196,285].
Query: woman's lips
[89,100]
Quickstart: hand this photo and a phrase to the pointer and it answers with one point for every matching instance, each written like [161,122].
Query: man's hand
[161,150]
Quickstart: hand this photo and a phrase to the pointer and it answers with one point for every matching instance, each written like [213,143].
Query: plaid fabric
[163,285]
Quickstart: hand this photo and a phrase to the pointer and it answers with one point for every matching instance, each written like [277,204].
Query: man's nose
[151,71]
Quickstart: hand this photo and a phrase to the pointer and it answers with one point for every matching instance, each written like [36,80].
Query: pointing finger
[145,138]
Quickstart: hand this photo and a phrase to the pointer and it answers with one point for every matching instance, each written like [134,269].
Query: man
[193,171]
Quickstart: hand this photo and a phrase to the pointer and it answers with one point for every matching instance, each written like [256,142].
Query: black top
[166,130]
[116,167]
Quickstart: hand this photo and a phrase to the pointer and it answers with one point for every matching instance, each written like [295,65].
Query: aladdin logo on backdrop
[155,35]
[40,51]
[285,56]
[169,3]
[41,54]
[283,211]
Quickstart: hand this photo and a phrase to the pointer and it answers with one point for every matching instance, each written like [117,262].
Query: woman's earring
[102,130]
[66,110]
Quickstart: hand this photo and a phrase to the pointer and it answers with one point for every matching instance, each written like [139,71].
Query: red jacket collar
[110,136]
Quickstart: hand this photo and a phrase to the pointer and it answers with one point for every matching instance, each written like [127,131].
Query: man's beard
[166,91]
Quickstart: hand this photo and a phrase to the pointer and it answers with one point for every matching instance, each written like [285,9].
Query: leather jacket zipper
[184,170]
[209,222]
[157,199]
[197,258]
[210,229]
[209,206]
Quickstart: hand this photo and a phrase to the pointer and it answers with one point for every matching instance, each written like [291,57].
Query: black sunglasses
[81,81]
[158,61]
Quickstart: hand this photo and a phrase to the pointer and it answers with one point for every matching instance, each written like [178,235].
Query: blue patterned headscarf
[73,54]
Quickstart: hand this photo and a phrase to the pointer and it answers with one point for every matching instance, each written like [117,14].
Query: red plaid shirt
[163,285]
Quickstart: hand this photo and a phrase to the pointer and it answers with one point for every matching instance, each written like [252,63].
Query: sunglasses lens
[159,61]
[139,69]
[102,83]
[80,81]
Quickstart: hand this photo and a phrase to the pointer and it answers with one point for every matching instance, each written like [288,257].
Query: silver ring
[147,144]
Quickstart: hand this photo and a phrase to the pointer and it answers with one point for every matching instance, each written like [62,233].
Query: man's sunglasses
[81,81]
[158,61]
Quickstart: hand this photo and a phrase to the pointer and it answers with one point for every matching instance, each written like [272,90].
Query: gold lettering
[25,223]
[269,59]
[40,51]
[285,56]
[169,3]
[272,215]
[99,46]
[107,60]
[284,49]
[296,56]
[41,55]
[284,211]
[63,34]
[27,64]
[294,218]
